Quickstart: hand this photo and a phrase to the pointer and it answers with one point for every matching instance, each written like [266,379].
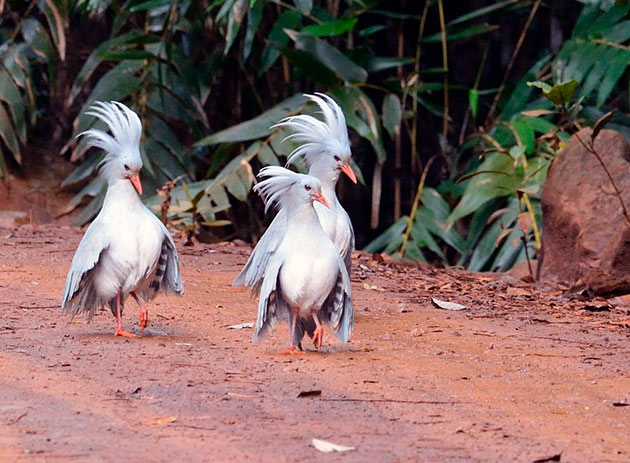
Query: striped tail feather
[158,276]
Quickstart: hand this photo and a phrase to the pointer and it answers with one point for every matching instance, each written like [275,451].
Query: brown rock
[586,239]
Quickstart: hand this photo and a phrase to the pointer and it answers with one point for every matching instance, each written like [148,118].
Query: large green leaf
[461,33]
[482,11]
[495,177]
[392,113]
[96,58]
[277,39]
[116,85]
[57,17]
[558,94]
[10,94]
[332,28]
[235,19]
[255,128]
[382,63]
[8,135]
[329,56]
[486,247]
[36,36]
[254,15]
[391,236]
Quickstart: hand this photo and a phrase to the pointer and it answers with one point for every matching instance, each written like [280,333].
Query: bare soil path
[523,375]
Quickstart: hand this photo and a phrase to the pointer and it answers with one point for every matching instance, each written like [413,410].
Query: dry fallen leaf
[163,420]
[312,393]
[325,446]
[440,304]
[240,326]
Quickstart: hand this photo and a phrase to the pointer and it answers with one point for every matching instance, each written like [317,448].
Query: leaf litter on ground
[440,304]
[327,447]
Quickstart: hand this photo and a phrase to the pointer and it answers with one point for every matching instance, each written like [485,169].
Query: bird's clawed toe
[124,334]
[293,350]
[144,318]
[318,338]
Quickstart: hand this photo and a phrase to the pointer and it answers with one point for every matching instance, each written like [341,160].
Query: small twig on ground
[15,421]
[399,401]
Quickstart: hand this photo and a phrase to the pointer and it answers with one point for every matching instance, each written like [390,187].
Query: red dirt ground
[523,375]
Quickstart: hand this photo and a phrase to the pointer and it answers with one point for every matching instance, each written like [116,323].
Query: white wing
[78,294]
[256,267]
[167,277]
[269,301]
[346,244]
[338,310]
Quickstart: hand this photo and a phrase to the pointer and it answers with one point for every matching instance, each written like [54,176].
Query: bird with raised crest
[325,148]
[126,250]
[295,267]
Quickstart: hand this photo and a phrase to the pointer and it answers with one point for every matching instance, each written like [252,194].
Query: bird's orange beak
[135,181]
[320,198]
[346,169]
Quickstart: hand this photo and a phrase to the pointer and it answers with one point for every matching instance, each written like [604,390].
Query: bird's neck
[325,173]
[304,214]
[121,194]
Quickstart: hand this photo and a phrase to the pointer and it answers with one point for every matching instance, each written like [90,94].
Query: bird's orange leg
[318,334]
[144,313]
[119,330]
[293,350]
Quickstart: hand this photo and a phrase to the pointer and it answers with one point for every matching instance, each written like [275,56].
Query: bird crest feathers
[274,189]
[125,128]
[316,136]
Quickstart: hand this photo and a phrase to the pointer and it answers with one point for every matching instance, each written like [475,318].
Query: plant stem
[414,91]
[517,48]
[414,208]
[532,215]
[445,66]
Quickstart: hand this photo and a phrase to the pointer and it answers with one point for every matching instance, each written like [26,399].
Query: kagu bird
[295,266]
[326,150]
[126,249]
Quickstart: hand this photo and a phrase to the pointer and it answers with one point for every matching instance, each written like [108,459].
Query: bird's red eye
[307,187]
[337,159]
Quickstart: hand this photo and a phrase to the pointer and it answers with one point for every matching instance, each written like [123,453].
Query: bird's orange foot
[144,318]
[124,334]
[318,338]
[292,351]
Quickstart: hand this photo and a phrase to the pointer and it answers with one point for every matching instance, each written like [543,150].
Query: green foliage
[209,79]
[502,168]
[27,47]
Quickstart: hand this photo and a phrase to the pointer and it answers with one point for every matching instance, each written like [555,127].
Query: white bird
[126,249]
[326,151]
[295,266]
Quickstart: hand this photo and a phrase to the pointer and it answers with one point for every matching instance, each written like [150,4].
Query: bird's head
[122,161]
[281,187]
[324,144]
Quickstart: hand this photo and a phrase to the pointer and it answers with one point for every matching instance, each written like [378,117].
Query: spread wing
[255,269]
[78,294]
[338,310]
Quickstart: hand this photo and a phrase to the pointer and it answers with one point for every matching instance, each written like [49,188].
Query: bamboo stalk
[414,208]
[445,66]
[517,48]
